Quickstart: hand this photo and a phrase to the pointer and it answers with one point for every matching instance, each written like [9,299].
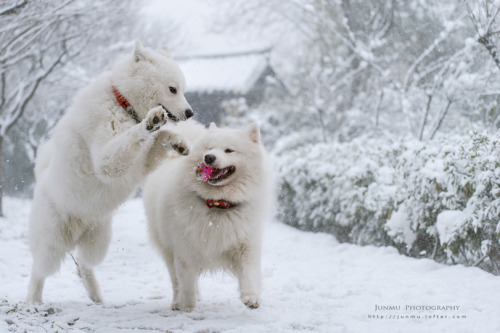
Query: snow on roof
[235,73]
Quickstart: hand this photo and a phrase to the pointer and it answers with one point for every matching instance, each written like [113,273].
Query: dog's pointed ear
[139,54]
[254,132]
[165,51]
[212,126]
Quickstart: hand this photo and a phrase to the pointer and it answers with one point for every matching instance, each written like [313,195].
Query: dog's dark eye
[173,90]
[228,150]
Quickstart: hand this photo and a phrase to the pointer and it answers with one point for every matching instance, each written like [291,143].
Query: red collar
[120,98]
[125,104]
[222,204]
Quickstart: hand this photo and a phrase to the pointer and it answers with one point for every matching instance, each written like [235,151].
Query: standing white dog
[211,219]
[101,149]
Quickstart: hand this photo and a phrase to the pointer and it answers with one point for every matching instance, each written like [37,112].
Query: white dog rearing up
[101,149]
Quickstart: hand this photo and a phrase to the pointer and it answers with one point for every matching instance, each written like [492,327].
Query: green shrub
[438,199]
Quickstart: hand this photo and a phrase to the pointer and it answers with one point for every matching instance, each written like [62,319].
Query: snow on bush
[478,178]
[346,189]
[448,223]
[437,199]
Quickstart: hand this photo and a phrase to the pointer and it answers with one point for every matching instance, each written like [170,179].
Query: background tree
[485,19]
[484,16]
[38,38]
[375,67]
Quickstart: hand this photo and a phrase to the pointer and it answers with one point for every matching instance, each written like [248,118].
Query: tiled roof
[234,73]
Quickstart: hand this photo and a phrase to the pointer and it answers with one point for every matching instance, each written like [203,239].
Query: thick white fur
[96,157]
[193,238]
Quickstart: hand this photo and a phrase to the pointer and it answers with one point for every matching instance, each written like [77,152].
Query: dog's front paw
[176,306]
[251,300]
[169,139]
[181,147]
[155,118]
[31,301]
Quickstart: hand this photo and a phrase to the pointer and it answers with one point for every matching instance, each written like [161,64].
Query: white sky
[196,30]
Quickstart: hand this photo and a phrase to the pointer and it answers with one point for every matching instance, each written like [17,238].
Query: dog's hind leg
[47,247]
[46,261]
[43,265]
[90,283]
[35,289]
[91,250]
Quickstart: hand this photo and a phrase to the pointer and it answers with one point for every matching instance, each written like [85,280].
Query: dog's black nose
[188,113]
[209,158]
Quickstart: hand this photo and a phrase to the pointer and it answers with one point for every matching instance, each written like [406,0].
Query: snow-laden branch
[444,35]
[13,8]
[382,23]
[492,19]
[19,36]
[485,18]
[23,96]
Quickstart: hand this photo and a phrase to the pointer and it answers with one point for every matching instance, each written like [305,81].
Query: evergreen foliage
[400,193]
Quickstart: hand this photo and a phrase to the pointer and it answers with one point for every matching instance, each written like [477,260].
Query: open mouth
[169,114]
[218,175]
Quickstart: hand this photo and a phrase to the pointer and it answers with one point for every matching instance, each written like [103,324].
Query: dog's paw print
[155,118]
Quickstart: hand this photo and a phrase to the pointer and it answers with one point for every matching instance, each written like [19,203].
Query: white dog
[211,219]
[101,149]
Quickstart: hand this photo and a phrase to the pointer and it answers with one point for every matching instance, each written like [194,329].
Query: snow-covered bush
[474,239]
[438,199]
[345,189]
[425,178]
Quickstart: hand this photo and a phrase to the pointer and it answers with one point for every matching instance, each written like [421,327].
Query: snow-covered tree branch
[37,38]
[484,17]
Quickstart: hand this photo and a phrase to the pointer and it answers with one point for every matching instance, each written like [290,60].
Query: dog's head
[235,160]
[151,78]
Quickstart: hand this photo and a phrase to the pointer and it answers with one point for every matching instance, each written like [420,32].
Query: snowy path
[311,284]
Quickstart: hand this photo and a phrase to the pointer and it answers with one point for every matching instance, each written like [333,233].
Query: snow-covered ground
[311,283]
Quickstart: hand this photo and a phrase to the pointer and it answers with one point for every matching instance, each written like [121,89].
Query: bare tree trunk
[441,119]
[379,104]
[424,123]
[321,120]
